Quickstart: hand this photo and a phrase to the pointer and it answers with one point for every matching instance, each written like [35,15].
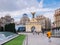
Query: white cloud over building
[17,7]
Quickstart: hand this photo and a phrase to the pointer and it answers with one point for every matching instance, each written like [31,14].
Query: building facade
[6,20]
[33,24]
[44,21]
[0,22]
[9,19]
[24,19]
[39,23]
[57,17]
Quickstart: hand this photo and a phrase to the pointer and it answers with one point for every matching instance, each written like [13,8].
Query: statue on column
[33,14]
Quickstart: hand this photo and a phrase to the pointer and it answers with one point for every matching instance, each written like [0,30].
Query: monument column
[33,14]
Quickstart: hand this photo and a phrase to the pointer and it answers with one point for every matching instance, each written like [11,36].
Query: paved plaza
[40,39]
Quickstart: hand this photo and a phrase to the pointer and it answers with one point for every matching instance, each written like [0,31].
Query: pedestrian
[34,32]
[49,35]
[38,32]
[42,31]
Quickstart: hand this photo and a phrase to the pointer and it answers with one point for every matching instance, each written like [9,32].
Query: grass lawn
[16,41]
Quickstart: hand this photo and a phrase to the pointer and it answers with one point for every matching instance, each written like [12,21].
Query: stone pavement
[40,40]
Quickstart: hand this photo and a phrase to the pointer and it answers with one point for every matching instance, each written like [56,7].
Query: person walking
[37,32]
[49,35]
[42,31]
[34,31]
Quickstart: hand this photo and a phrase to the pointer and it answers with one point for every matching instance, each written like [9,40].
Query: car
[21,29]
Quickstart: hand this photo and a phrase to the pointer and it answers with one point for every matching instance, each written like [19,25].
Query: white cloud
[50,15]
[41,4]
[13,5]
[18,14]
[17,7]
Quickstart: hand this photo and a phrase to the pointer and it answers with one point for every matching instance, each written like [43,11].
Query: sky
[16,8]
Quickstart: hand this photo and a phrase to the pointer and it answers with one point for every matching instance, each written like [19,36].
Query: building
[0,22]
[37,24]
[44,21]
[24,19]
[57,17]
[33,25]
[6,20]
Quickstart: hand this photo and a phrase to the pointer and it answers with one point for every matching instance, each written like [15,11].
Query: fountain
[6,36]
[2,37]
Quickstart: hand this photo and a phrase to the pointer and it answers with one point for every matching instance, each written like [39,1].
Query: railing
[56,33]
